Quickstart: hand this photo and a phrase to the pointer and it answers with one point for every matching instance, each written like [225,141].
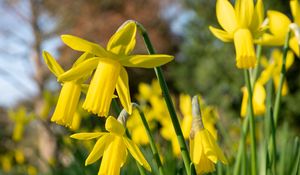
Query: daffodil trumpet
[113,147]
[204,150]
[110,74]
[242,24]
[70,92]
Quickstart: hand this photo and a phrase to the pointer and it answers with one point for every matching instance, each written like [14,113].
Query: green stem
[158,71]
[252,123]
[241,149]
[282,78]
[151,140]
[118,110]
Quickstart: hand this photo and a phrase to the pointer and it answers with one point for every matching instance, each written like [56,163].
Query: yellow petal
[226,15]
[278,24]
[112,125]
[244,48]
[99,148]
[258,16]
[53,66]
[244,12]
[136,153]
[80,70]
[102,87]
[67,104]
[82,58]
[113,158]
[244,102]
[289,59]
[295,8]
[87,135]
[220,34]
[145,61]
[259,97]
[123,41]
[123,91]
[80,44]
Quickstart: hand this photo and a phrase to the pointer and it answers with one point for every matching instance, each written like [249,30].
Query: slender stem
[184,151]
[282,78]
[151,140]
[117,109]
[252,123]
[241,150]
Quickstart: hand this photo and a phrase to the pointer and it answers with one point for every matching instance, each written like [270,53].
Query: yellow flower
[209,116]
[70,93]
[110,73]
[278,25]
[242,25]
[204,150]
[19,156]
[20,118]
[272,69]
[6,162]
[112,146]
[258,100]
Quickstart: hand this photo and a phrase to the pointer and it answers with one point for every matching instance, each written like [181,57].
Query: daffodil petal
[80,70]
[80,44]
[136,153]
[114,126]
[87,135]
[53,66]
[258,16]
[123,91]
[226,15]
[289,59]
[244,12]
[295,8]
[278,24]
[221,34]
[146,61]
[99,148]
[123,41]
[294,45]
[82,58]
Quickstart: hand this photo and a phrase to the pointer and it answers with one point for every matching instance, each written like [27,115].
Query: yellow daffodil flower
[204,149]
[258,100]
[20,118]
[272,69]
[70,93]
[112,146]
[6,162]
[19,156]
[242,25]
[209,116]
[110,73]
[31,170]
[279,24]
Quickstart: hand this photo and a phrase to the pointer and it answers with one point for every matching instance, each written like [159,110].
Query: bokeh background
[202,65]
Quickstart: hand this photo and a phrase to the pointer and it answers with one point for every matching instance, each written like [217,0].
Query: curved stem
[252,123]
[282,78]
[151,141]
[159,74]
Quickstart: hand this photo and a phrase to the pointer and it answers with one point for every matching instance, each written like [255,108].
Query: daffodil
[110,73]
[272,69]
[242,25]
[279,24]
[20,118]
[6,162]
[113,147]
[258,100]
[204,150]
[209,116]
[69,94]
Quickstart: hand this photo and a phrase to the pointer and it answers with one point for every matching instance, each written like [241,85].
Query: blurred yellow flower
[19,156]
[278,25]
[272,69]
[109,63]
[70,93]
[20,118]
[6,162]
[242,25]
[258,100]
[31,170]
[112,146]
